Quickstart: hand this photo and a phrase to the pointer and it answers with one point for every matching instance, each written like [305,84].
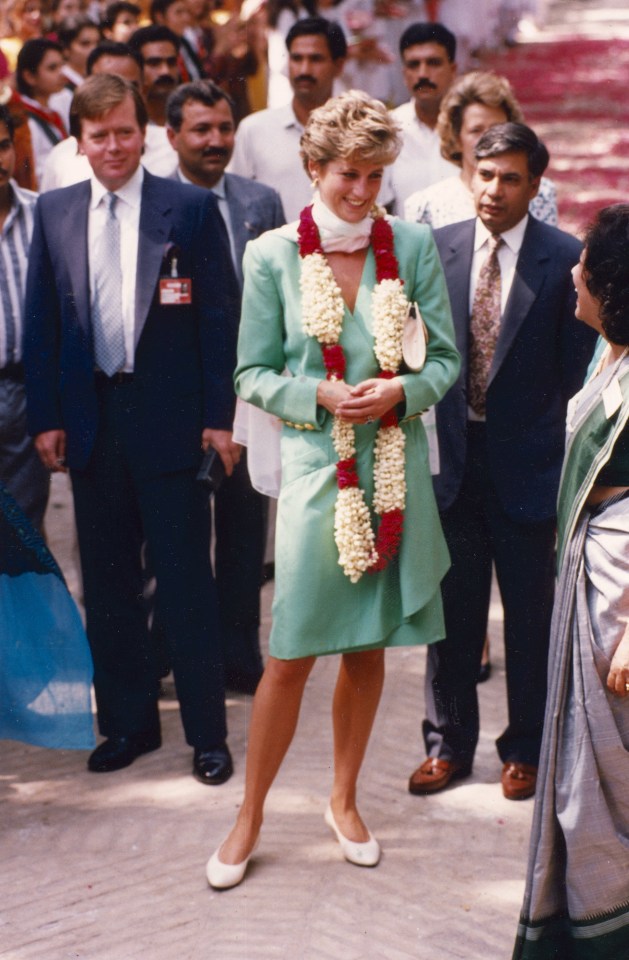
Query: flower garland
[322,317]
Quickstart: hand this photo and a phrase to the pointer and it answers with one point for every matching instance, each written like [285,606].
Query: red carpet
[574,94]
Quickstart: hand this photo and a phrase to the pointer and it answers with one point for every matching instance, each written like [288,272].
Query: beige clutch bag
[414,339]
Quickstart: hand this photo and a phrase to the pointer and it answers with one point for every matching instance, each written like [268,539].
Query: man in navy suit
[201,128]
[127,383]
[501,441]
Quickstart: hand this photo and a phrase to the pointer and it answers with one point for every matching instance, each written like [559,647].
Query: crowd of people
[378,272]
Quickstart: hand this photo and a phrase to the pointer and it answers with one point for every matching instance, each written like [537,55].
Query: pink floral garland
[391,525]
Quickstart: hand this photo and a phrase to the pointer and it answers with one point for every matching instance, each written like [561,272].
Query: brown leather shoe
[518,780]
[435,774]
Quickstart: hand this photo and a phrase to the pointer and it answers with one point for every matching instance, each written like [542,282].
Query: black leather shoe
[119,752]
[213,766]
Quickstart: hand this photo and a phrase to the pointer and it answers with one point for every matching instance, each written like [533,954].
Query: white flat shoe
[222,876]
[362,854]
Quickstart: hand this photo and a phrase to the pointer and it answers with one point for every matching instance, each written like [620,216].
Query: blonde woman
[359,549]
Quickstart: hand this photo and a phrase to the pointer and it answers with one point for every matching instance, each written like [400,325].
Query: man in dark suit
[501,440]
[129,351]
[201,128]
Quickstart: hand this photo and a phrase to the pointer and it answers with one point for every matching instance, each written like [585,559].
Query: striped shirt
[15,240]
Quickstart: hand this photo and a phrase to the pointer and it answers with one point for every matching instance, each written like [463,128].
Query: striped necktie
[107,324]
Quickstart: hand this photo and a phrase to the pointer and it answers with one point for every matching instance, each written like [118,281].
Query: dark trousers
[479,532]
[117,507]
[240,516]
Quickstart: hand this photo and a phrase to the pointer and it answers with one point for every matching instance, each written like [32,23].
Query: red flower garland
[391,525]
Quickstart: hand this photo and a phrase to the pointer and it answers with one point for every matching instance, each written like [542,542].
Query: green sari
[576,902]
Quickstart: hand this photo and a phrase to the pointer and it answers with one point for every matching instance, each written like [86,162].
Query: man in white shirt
[267,142]
[428,53]
[501,442]
[129,351]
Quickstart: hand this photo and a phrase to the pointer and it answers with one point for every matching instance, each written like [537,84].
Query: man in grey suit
[201,128]
[501,441]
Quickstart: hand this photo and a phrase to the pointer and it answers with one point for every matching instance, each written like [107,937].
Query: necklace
[323,309]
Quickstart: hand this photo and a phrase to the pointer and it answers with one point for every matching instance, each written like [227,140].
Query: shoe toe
[365,854]
[212,766]
[223,876]
[518,780]
[435,774]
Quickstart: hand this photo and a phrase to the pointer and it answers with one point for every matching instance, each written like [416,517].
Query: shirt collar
[513,237]
[289,117]
[72,75]
[19,198]
[218,189]
[130,193]
[415,119]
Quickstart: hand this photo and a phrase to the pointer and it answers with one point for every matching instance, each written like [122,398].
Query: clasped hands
[365,402]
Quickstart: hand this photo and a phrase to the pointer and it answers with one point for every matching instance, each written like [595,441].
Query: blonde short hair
[351,125]
[488,89]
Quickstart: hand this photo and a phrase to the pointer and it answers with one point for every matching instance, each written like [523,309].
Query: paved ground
[112,867]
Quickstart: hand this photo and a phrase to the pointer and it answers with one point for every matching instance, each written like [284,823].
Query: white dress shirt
[508,254]
[420,162]
[267,149]
[128,214]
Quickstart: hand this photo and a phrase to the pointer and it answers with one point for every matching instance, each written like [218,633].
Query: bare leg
[271,730]
[356,699]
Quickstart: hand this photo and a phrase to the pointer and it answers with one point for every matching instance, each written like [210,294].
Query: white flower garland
[322,307]
[323,312]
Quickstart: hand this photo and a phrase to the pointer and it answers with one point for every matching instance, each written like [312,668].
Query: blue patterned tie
[107,325]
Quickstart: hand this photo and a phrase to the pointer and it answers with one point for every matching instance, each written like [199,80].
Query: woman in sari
[326,300]
[576,903]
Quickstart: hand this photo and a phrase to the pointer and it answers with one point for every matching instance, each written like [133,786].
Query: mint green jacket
[316,608]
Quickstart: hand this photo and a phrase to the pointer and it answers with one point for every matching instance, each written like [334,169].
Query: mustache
[305,76]
[165,80]
[424,82]
[216,152]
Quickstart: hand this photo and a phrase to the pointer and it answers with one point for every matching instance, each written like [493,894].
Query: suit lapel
[530,272]
[155,225]
[75,233]
[457,264]
[238,214]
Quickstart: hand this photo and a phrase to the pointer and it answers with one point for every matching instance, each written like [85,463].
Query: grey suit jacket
[253,208]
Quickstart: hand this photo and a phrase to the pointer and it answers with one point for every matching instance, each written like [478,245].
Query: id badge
[175,291]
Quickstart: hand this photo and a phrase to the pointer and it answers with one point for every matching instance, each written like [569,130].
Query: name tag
[175,291]
[612,397]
